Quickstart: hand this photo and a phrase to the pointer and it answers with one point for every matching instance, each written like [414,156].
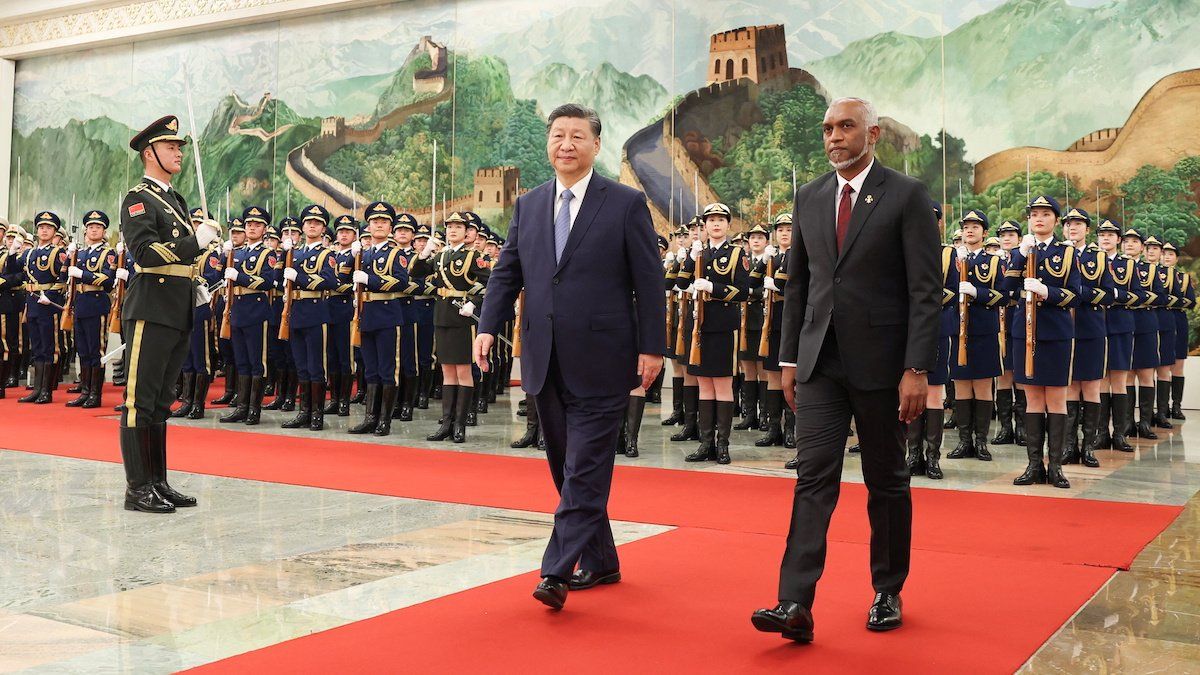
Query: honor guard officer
[403,231]
[94,272]
[983,291]
[383,275]
[1119,327]
[252,275]
[675,314]
[1167,300]
[197,367]
[991,245]
[1091,332]
[1051,291]
[157,313]
[312,275]
[1186,292]
[924,434]
[12,300]
[1145,337]
[281,379]
[750,338]
[460,274]
[422,309]
[1010,399]
[476,238]
[340,362]
[720,274]
[237,239]
[45,282]
[781,424]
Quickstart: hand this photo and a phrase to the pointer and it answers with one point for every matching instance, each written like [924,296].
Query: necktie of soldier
[843,215]
[562,225]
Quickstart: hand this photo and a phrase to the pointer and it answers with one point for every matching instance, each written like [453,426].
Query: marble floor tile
[27,641]
[1084,651]
[127,658]
[247,632]
[151,610]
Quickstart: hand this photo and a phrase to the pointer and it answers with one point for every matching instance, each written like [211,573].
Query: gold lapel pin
[870,199]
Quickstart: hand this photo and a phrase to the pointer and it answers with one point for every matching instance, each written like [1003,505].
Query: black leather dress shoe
[551,592]
[791,619]
[884,613]
[582,580]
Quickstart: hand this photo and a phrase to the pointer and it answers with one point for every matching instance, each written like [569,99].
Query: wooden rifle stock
[285,319]
[516,345]
[226,316]
[697,314]
[114,316]
[964,306]
[68,317]
[764,342]
[355,332]
[680,327]
[1030,313]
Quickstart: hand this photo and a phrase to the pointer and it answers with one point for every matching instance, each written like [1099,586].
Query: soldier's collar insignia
[173,125]
[869,198]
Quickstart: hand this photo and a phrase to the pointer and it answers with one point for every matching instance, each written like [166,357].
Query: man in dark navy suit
[583,248]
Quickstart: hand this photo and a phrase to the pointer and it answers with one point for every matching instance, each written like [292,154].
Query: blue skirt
[983,358]
[1007,357]
[1181,335]
[1089,359]
[940,374]
[1051,364]
[1166,347]
[1120,351]
[1145,350]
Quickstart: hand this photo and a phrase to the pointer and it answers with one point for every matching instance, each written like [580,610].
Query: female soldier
[754,377]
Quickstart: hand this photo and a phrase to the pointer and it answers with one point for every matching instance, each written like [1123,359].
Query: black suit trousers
[824,406]
[581,438]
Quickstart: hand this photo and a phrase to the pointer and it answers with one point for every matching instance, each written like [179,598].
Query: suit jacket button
[837,280]
[555,281]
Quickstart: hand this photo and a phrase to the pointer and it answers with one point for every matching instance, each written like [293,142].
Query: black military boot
[95,394]
[231,380]
[435,390]
[1091,434]
[158,468]
[408,399]
[1035,435]
[1071,445]
[39,368]
[1056,436]
[764,424]
[1004,418]
[1131,405]
[481,393]
[1120,422]
[50,382]
[966,440]
[291,380]
[424,377]
[1019,406]
[335,389]
[749,405]
[200,396]
[462,410]
[1177,398]
[1163,407]
[914,439]
[384,426]
[360,393]
[774,420]
[317,420]
[189,396]
[723,425]
[140,494]
[1145,412]
[951,421]
[343,409]
[633,424]
[276,383]
[254,413]
[691,403]
[85,388]
[178,391]
[676,403]
[372,398]
[706,421]
[472,394]
[1103,438]
[981,416]
[789,426]
[446,430]
[304,416]
[654,394]
[238,414]
[532,431]
[933,441]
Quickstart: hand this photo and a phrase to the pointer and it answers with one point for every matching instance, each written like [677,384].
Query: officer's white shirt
[579,189]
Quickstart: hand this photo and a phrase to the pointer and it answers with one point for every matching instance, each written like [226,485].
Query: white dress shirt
[579,189]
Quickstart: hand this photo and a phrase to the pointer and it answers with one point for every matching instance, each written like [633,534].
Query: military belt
[375,297]
[89,288]
[175,270]
[307,295]
[242,290]
[450,293]
[34,288]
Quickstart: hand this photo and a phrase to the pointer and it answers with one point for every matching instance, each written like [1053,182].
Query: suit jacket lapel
[544,203]
[826,226]
[872,192]
[592,201]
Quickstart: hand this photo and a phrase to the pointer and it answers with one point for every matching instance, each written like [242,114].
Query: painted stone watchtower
[758,53]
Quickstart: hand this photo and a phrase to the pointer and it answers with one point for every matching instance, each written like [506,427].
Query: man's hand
[913,388]
[231,274]
[967,288]
[467,310]
[483,348]
[787,380]
[648,368]
[75,272]
[122,274]
[1036,286]
[208,233]
[360,277]
[769,284]
[289,273]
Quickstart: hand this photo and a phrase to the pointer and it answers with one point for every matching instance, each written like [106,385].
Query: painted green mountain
[399,90]
[1029,72]
[624,102]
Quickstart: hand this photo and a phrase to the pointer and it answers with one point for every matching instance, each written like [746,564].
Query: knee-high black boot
[446,429]
[914,439]
[304,417]
[238,414]
[706,420]
[39,368]
[317,421]
[1091,433]
[387,400]
[1004,417]
[633,424]
[230,384]
[1145,412]
[724,423]
[462,412]
[1103,438]
[774,420]
[360,394]
[952,421]
[408,399]
[200,396]
[1019,406]
[981,417]
[789,426]
[1056,436]
[1131,406]
[1163,404]
[1035,435]
[1177,398]
[85,388]
[254,414]
[1071,445]
[343,409]
[1120,422]
[677,397]
[749,405]
[140,494]
[654,393]
[188,394]
[372,398]
[764,424]
[691,404]
[335,390]
[532,431]
[966,440]
[934,418]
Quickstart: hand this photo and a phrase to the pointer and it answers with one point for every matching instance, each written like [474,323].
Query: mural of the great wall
[1095,103]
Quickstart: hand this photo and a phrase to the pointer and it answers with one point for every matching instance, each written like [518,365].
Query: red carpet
[685,607]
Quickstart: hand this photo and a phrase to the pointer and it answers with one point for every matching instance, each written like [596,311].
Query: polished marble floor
[84,589]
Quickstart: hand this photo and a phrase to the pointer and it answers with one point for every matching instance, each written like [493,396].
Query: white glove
[670,257]
[427,252]
[1038,287]
[201,296]
[360,277]
[120,248]
[962,252]
[770,251]
[769,284]
[286,243]
[356,247]
[467,309]
[71,248]
[697,247]
[967,288]
[227,246]
[290,274]
[703,285]
[1027,244]
[437,243]
[231,274]
[75,272]
[42,299]
[122,274]
[207,233]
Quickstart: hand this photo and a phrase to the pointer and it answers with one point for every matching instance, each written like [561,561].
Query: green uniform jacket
[158,234]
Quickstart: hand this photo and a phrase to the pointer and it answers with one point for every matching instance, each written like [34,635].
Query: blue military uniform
[198,366]
[45,273]
[781,427]
[409,362]
[12,301]
[225,344]
[97,265]
[422,312]
[1187,300]
[1169,298]
[1120,326]
[340,359]
[256,268]
[316,275]
[281,376]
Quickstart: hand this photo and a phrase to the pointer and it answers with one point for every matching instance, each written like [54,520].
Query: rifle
[680,327]
[697,313]
[963,311]
[68,317]
[742,343]
[226,316]
[516,345]
[285,319]
[764,342]
[1030,312]
[114,317]
[355,331]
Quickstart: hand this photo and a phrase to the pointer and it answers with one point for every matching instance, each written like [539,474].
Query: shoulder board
[139,187]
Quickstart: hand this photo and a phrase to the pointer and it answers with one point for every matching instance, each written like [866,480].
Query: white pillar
[8,71]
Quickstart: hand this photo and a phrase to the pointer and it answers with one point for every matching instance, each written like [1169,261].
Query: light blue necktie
[562,225]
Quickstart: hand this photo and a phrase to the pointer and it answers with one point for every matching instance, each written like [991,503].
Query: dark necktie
[843,215]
